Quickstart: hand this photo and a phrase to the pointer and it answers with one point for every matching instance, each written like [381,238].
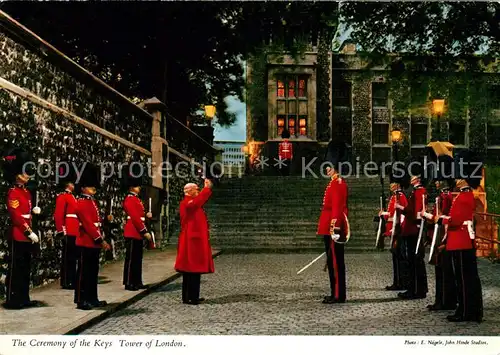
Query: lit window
[291,88]
[281,124]
[281,88]
[302,87]
[302,126]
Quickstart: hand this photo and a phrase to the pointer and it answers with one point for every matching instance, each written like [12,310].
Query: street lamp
[395,137]
[210,112]
[438,107]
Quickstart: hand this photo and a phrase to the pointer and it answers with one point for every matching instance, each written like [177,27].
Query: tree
[444,31]
[185,54]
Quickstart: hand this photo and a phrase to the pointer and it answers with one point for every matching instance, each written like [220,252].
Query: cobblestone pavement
[258,294]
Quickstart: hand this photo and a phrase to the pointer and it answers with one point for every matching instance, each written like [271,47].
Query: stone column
[155,108]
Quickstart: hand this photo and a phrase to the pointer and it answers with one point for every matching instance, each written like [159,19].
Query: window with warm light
[302,125]
[292,103]
[281,124]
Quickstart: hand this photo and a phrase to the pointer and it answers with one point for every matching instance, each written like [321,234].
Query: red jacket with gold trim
[19,208]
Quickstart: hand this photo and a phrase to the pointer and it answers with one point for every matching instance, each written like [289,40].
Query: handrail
[487,214]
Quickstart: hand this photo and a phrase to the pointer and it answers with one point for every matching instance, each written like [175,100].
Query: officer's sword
[436,229]
[379,231]
[421,227]
[153,242]
[312,262]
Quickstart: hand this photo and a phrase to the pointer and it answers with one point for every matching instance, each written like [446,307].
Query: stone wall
[50,136]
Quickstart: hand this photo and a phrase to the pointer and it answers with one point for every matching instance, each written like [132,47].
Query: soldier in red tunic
[135,230]
[21,238]
[398,197]
[446,293]
[285,153]
[333,226]
[194,253]
[417,284]
[461,240]
[89,241]
[67,224]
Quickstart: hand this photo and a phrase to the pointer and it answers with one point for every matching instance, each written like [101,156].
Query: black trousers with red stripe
[417,284]
[18,273]
[336,268]
[469,290]
[132,268]
[68,261]
[446,290]
[87,275]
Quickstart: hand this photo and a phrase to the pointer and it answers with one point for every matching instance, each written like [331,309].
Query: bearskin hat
[336,154]
[66,173]
[445,169]
[90,177]
[132,175]
[14,163]
[468,166]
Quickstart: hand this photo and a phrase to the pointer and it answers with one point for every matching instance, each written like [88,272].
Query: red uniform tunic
[445,201]
[19,208]
[65,215]
[460,234]
[389,215]
[194,253]
[413,210]
[285,150]
[334,207]
[134,209]
[90,229]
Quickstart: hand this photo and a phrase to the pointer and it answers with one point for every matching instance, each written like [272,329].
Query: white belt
[470,228]
[26,215]
[72,215]
[97,224]
[142,218]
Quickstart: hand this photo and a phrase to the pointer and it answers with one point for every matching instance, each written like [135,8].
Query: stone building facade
[367,103]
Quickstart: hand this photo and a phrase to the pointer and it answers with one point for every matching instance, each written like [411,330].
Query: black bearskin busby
[444,172]
[15,163]
[468,166]
[66,173]
[132,175]
[90,176]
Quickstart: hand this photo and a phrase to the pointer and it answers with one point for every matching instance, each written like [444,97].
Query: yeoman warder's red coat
[194,253]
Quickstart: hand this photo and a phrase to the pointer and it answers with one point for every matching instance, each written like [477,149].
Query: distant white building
[233,155]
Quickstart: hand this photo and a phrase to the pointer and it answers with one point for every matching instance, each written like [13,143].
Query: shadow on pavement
[130,311]
[234,299]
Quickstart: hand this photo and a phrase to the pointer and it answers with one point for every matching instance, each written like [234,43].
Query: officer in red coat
[194,253]
[333,226]
[135,230]
[89,241]
[417,285]
[446,293]
[21,238]
[461,239]
[285,153]
[67,223]
[398,197]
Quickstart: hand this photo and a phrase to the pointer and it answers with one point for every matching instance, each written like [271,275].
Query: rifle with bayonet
[436,238]
[379,243]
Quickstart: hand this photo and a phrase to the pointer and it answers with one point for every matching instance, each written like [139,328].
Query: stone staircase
[280,214]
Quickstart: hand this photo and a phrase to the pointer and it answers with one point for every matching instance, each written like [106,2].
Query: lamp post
[438,107]
[395,137]
[210,113]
